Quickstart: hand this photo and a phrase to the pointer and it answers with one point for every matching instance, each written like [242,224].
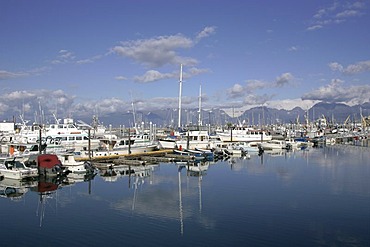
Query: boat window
[18,164]
[64,138]
[78,138]
[71,138]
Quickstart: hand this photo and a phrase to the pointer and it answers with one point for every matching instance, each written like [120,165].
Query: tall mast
[200,106]
[180,92]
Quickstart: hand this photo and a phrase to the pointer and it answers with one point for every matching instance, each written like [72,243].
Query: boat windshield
[14,164]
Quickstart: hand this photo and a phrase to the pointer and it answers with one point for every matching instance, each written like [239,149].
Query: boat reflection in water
[15,189]
[193,169]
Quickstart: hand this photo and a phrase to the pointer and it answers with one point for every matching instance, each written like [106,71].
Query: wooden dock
[139,159]
[162,152]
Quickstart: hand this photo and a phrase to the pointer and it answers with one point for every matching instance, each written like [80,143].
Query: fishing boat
[251,147]
[273,144]
[48,165]
[243,134]
[194,139]
[191,154]
[15,168]
[65,133]
[128,145]
[81,167]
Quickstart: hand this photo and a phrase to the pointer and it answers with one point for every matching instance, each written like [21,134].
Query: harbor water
[315,197]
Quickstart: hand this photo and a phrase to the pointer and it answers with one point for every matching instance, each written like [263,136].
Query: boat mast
[200,106]
[180,92]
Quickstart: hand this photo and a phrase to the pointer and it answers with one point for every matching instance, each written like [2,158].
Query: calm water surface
[319,197]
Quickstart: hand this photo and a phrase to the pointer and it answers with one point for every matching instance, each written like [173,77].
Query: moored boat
[16,169]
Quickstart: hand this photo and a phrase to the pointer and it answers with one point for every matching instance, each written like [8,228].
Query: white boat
[134,145]
[168,142]
[292,144]
[273,144]
[194,139]
[251,147]
[192,154]
[243,134]
[16,169]
[64,133]
[122,146]
[68,160]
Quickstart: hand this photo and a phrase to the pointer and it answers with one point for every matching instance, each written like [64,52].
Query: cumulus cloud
[153,75]
[248,91]
[236,90]
[253,85]
[156,52]
[36,103]
[336,92]
[336,13]
[336,66]
[161,50]
[284,79]
[257,99]
[362,66]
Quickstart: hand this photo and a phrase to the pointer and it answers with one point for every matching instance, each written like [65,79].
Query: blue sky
[80,58]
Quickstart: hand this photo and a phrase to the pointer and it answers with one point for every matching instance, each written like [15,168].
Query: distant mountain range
[333,112]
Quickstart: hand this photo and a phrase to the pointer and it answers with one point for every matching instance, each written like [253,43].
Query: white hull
[227,137]
[167,144]
[273,144]
[192,144]
[19,174]
[121,151]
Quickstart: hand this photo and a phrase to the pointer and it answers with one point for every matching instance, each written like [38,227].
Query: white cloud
[335,92]
[161,50]
[63,57]
[152,75]
[289,104]
[120,78]
[236,90]
[335,14]
[362,66]
[283,79]
[156,52]
[8,75]
[207,31]
[253,85]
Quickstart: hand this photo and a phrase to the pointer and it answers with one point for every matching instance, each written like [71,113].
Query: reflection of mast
[180,202]
[46,190]
[135,191]
[200,192]
[42,205]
